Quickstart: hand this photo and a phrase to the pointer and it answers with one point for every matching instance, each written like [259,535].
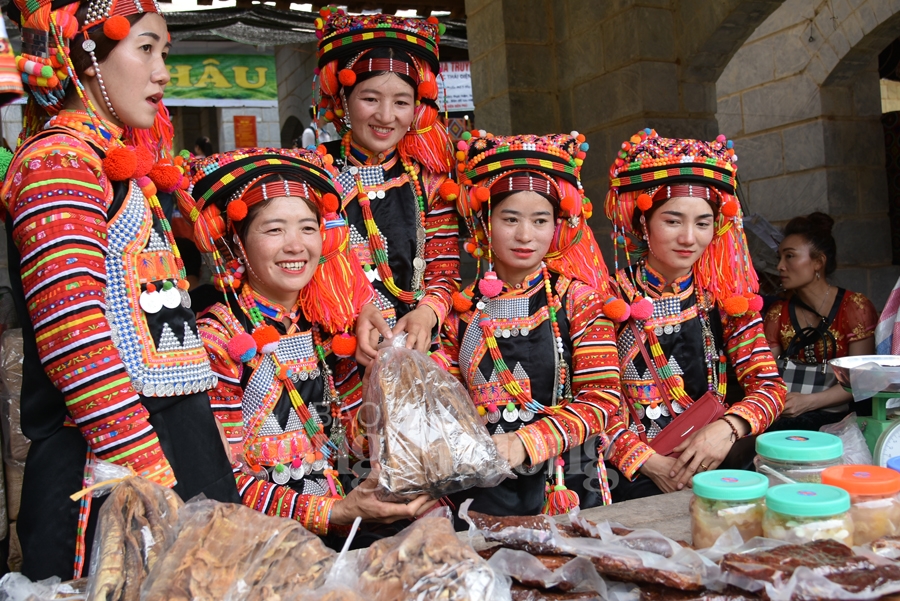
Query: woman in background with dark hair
[816,322]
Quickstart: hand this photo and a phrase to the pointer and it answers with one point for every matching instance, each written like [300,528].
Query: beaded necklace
[376,245]
[311,422]
[715,361]
[527,405]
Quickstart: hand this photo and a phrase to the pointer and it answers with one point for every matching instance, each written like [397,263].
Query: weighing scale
[882,429]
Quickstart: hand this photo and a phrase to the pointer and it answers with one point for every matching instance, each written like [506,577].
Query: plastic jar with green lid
[798,455]
[726,498]
[875,507]
[802,513]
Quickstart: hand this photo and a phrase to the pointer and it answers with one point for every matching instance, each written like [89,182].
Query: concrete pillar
[294,66]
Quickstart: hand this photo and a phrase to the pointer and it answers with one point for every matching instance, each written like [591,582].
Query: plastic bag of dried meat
[234,553]
[423,429]
[428,561]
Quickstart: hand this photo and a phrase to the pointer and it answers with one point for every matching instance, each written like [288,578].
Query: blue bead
[647,130]
[729,144]
[585,146]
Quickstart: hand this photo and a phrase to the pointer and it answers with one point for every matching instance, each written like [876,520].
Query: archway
[290,131]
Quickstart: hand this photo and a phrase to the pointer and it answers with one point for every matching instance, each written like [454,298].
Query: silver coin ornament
[510,416]
[281,475]
[526,415]
[677,407]
[419,263]
[653,412]
[171,298]
[493,416]
[89,45]
[185,298]
[319,465]
[151,302]
[639,410]
[380,194]
[668,329]
[297,473]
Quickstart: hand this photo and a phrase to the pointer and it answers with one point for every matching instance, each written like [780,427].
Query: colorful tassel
[560,499]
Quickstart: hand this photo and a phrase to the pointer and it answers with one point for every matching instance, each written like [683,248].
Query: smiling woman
[101,277]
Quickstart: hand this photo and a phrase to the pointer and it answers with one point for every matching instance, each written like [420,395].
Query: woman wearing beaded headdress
[376,83]
[693,303]
[114,368]
[287,395]
[529,338]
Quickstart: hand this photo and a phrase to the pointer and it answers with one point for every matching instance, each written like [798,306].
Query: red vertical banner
[244,131]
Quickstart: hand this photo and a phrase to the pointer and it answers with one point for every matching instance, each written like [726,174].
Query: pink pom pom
[241,348]
[755,303]
[490,286]
[641,308]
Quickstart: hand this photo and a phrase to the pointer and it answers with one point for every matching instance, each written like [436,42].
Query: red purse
[700,414]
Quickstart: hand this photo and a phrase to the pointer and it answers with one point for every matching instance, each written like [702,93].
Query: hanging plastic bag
[423,429]
[428,561]
[856,450]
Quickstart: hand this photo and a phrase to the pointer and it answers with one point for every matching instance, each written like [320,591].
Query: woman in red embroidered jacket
[377,84]
[113,367]
[288,394]
[693,302]
[535,352]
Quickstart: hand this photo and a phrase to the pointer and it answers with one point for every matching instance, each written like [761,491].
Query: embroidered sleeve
[225,398]
[595,381]
[312,511]
[59,200]
[441,251]
[772,324]
[749,355]
[860,317]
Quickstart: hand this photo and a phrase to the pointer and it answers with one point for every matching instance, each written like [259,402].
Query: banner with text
[230,76]
[456,78]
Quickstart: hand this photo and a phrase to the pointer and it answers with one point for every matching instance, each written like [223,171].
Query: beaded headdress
[651,169]
[551,165]
[225,186]
[344,42]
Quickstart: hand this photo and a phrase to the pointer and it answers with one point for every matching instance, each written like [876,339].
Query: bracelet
[734,433]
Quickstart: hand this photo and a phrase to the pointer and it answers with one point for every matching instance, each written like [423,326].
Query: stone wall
[267,126]
[294,66]
[802,101]
[890,95]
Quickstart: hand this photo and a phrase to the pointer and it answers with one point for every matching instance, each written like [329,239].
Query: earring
[817,275]
[89,46]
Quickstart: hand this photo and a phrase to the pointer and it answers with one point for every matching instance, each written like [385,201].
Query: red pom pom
[119,164]
[266,338]
[428,89]
[241,348]
[641,308]
[166,177]
[644,202]
[616,309]
[755,303]
[730,208]
[433,20]
[145,160]
[490,285]
[116,27]
[736,305]
[569,205]
[330,203]
[482,194]
[461,303]
[344,345]
[449,190]
[329,85]
[347,77]
[237,210]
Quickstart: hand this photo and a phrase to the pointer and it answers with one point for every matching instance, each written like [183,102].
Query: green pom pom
[467,135]
[442,29]
[47,71]
[185,154]
[5,159]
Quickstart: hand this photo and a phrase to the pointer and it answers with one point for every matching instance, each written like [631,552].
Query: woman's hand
[362,502]
[369,326]
[797,404]
[418,325]
[702,451]
[657,468]
[510,448]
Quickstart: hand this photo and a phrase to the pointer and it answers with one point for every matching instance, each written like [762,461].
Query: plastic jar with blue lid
[802,513]
[797,455]
[726,498]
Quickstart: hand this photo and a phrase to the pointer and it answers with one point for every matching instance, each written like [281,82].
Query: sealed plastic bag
[856,450]
[428,561]
[15,444]
[230,552]
[137,524]
[576,574]
[423,429]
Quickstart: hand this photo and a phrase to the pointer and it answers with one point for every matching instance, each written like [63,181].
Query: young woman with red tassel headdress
[529,338]
[115,368]
[691,288]
[376,83]
[280,341]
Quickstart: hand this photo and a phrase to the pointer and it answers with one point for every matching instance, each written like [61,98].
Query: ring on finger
[704,467]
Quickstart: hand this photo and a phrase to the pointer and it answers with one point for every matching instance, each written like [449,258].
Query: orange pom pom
[166,177]
[569,205]
[330,203]
[736,305]
[616,309]
[266,338]
[145,160]
[344,345]
[347,77]
[461,303]
[119,164]
[730,208]
[237,210]
[428,89]
[644,202]
[449,190]
[116,27]
[482,194]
